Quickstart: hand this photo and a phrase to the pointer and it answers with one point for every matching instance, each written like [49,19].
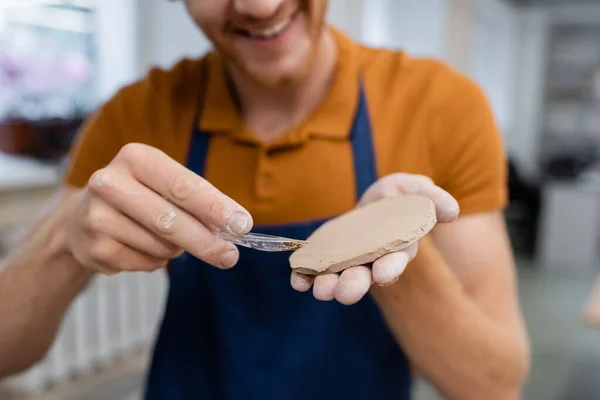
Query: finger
[385,187]
[446,206]
[353,285]
[387,269]
[394,185]
[106,270]
[301,282]
[324,287]
[110,255]
[182,187]
[98,267]
[101,219]
[162,218]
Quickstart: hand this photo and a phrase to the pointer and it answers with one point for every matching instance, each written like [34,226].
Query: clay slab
[364,234]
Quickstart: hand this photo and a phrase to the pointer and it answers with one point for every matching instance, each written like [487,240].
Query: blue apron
[245,334]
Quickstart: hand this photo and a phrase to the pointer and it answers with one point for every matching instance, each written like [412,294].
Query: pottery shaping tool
[365,234]
[263,242]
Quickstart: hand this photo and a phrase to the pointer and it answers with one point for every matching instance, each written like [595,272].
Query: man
[287,123]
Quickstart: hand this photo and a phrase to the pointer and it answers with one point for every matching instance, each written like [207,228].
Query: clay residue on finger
[99,180]
[365,234]
[168,220]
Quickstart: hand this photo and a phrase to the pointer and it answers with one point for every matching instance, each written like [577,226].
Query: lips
[269,32]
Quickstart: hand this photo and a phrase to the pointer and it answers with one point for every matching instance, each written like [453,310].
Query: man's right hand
[145,209]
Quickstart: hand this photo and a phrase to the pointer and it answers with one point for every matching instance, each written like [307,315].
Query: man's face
[271,41]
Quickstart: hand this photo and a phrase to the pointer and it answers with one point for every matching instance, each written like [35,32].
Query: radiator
[113,316]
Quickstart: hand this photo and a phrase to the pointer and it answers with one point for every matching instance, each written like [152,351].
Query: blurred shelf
[571,103]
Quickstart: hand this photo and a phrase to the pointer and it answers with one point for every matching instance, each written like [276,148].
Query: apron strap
[202,88]
[199,143]
[365,165]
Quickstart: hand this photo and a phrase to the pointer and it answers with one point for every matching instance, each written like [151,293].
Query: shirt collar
[332,119]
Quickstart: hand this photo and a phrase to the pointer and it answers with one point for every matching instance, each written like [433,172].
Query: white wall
[492,57]
[417,26]
[459,38]
[117,45]
[167,33]
[134,35]
[347,15]
[420,26]
[523,139]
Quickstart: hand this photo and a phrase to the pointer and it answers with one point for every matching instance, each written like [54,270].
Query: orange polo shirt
[426,119]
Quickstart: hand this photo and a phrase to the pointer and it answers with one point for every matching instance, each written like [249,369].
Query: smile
[270,32]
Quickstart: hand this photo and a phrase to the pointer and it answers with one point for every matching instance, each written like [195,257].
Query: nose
[257,9]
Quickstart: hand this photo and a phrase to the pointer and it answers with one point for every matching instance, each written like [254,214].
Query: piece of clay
[364,234]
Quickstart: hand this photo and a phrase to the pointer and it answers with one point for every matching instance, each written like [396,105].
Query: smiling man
[285,124]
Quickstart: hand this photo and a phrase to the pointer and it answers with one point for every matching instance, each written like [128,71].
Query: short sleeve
[468,155]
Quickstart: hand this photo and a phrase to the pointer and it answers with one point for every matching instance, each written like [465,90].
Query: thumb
[446,206]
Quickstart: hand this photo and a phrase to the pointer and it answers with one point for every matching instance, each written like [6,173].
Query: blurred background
[538,61]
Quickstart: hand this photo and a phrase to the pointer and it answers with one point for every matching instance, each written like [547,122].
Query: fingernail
[229,258]
[238,223]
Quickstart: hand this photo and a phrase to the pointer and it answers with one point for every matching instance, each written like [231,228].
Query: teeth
[272,31]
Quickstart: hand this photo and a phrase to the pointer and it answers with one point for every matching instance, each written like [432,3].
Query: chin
[284,72]
[276,77]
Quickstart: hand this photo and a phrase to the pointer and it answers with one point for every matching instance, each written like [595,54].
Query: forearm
[462,352]
[37,283]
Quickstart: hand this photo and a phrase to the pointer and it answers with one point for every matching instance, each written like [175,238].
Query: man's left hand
[353,283]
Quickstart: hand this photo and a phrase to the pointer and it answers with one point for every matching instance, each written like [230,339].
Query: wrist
[61,256]
[60,250]
[51,245]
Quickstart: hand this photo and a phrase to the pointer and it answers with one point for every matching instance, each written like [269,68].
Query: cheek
[209,15]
